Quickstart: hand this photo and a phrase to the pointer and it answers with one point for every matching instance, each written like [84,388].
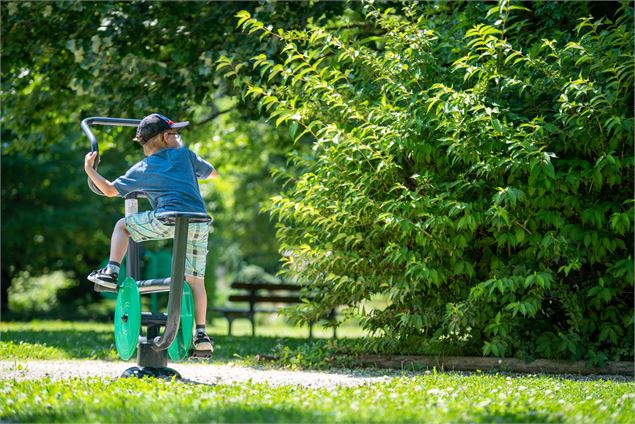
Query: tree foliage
[65,61]
[471,164]
[49,218]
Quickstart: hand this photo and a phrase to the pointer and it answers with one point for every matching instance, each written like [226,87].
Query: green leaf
[243,16]
[293,128]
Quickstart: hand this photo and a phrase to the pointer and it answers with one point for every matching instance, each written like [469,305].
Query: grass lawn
[426,397]
[447,397]
[76,340]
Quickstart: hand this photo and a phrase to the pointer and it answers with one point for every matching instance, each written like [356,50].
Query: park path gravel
[230,373]
[205,373]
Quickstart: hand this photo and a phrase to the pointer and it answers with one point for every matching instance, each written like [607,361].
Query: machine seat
[169,218]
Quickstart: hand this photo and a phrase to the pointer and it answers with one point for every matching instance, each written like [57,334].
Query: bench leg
[229,324]
[252,319]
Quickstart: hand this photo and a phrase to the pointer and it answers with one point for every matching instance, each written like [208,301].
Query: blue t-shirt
[169,179]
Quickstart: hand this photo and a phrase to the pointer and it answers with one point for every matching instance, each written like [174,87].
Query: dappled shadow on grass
[226,414]
[252,414]
[67,343]
[227,348]
[512,417]
[196,383]
[257,414]
[100,344]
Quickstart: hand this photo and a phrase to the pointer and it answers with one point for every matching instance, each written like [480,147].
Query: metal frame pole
[176,285]
[133,260]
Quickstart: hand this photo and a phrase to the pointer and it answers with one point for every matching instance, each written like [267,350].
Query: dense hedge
[473,166]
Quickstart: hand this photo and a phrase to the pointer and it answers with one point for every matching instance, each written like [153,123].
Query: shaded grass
[56,340]
[447,397]
[71,340]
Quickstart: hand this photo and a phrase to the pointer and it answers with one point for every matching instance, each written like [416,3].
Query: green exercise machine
[153,348]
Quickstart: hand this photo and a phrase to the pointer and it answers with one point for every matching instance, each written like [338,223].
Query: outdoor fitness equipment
[153,348]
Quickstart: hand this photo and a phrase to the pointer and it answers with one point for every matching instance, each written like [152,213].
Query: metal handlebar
[94,147]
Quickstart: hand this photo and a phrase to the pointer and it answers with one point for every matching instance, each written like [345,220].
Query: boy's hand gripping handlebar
[94,147]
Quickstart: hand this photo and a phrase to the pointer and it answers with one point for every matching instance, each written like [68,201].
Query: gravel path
[215,373]
[195,372]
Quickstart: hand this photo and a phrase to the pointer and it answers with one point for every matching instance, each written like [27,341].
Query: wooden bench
[258,293]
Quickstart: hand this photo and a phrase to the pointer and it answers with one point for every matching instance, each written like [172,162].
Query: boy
[168,176]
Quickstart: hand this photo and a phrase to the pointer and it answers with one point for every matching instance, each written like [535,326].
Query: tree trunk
[5,282]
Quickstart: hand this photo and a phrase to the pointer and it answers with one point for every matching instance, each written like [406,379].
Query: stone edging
[465,363]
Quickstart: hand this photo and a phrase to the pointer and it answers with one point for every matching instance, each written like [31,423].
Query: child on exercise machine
[168,176]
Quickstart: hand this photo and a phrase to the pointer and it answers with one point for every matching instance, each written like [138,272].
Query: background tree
[473,166]
[64,61]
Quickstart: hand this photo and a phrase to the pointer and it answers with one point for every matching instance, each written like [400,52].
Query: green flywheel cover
[181,344]
[127,318]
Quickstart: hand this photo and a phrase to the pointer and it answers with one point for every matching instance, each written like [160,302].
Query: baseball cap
[155,124]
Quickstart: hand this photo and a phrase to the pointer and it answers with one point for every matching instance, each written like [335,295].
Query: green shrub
[28,295]
[472,166]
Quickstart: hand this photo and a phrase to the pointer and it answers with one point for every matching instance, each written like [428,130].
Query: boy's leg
[202,342]
[200,298]
[194,274]
[108,275]
[119,241]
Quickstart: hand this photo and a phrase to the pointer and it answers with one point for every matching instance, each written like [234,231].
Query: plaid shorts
[144,226]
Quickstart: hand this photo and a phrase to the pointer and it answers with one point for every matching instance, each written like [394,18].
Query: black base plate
[140,372]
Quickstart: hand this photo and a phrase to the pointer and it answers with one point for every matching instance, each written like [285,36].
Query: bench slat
[239,311]
[257,299]
[265,286]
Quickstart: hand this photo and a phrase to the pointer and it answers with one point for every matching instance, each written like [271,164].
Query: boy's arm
[103,184]
[202,167]
[212,174]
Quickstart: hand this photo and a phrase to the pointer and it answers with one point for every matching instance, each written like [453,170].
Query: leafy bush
[30,295]
[472,166]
